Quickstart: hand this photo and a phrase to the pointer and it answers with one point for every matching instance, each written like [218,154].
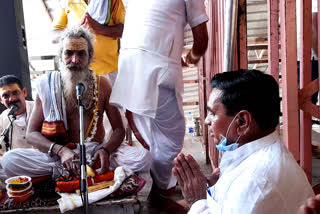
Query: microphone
[80,88]
[13,110]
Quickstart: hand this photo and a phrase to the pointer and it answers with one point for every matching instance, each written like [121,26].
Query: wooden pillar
[289,76]
[273,38]
[212,66]
[242,34]
[305,79]
[220,41]
[318,53]
[205,76]
[203,105]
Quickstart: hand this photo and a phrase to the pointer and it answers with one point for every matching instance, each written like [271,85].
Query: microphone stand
[4,137]
[83,161]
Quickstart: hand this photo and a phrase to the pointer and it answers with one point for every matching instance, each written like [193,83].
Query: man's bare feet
[184,204]
[163,202]
[311,207]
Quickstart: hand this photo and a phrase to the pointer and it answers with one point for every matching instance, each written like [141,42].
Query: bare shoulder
[105,87]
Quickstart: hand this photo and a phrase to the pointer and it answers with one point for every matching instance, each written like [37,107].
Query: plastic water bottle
[189,123]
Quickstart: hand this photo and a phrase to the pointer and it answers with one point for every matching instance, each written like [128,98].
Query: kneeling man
[257,173]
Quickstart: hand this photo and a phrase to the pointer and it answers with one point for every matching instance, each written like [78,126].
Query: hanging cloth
[100,11]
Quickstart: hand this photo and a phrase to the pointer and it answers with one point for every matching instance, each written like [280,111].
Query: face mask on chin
[222,145]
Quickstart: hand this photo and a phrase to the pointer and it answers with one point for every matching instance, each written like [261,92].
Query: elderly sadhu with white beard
[54,124]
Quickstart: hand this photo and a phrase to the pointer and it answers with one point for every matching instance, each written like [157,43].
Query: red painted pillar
[273,38]
[289,76]
[242,34]
[305,79]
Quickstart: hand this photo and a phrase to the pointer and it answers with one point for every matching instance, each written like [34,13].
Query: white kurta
[19,128]
[151,49]
[258,177]
[18,134]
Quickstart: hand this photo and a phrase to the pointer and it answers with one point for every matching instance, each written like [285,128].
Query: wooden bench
[122,205]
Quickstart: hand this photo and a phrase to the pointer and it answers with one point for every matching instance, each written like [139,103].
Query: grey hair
[77,32]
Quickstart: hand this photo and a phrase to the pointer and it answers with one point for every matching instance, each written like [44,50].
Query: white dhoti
[34,163]
[164,135]
[136,158]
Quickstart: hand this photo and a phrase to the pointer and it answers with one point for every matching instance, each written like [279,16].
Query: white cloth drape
[70,201]
[99,10]
[164,135]
[50,92]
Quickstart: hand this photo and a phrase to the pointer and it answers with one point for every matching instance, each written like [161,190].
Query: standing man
[104,18]
[12,92]
[256,174]
[150,80]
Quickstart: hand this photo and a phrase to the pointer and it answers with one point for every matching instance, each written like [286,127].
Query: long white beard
[71,79]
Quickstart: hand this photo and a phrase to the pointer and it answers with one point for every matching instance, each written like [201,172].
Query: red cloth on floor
[69,184]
